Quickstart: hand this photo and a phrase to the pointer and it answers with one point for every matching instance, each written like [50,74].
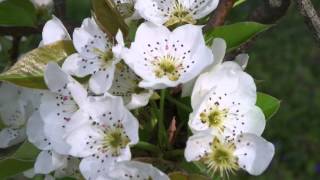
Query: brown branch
[15,49]
[19,31]
[219,16]
[311,17]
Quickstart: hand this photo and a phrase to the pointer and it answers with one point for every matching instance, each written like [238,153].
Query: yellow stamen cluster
[214,117]
[221,158]
[114,140]
[167,66]
[179,15]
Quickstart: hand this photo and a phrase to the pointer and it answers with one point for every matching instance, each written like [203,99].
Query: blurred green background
[287,59]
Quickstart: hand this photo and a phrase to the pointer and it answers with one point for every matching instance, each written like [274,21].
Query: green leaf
[21,160]
[183,176]
[17,13]
[28,71]
[235,34]
[269,105]
[108,17]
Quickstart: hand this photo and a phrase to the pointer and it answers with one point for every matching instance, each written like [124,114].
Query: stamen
[221,158]
[167,66]
[179,15]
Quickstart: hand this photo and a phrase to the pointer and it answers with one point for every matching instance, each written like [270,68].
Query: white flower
[230,112]
[16,106]
[224,99]
[54,31]
[225,74]
[133,170]
[248,152]
[125,84]
[95,56]
[171,12]
[105,139]
[166,59]
[42,3]
[63,109]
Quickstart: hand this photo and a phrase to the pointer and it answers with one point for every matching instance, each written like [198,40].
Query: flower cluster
[83,123]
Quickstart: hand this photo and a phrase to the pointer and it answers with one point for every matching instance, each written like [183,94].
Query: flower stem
[179,104]
[148,147]
[162,133]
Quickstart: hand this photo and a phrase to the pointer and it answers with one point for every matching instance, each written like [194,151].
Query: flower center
[166,66]
[214,117]
[114,140]
[221,158]
[106,57]
[179,15]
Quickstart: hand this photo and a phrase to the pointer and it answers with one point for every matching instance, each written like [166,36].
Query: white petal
[200,56]
[218,47]
[139,100]
[242,60]
[127,170]
[78,141]
[56,112]
[48,161]
[254,153]
[29,173]
[197,146]
[101,81]
[79,94]
[54,31]
[80,67]
[91,167]
[151,10]
[35,132]
[14,113]
[11,136]
[118,49]
[200,9]
[9,92]
[56,79]
[227,77]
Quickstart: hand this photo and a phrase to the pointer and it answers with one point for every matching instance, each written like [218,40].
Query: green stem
[162,133]
[148,147]
[174,154]
[179,104]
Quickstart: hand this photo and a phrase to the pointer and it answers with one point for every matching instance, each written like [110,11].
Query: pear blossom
[54,31]
[42,3]
[248,151]
[16,106]
[166,59]
[105,139]
[58,108]
[225,74]
[125,84]
[133,170]
[97,56]
[230,113]
[172,12]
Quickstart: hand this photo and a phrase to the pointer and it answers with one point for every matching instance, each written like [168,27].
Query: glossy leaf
[269,105]
[28,71]
[17,13]
[235,34]
[108,17]
[21,160]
